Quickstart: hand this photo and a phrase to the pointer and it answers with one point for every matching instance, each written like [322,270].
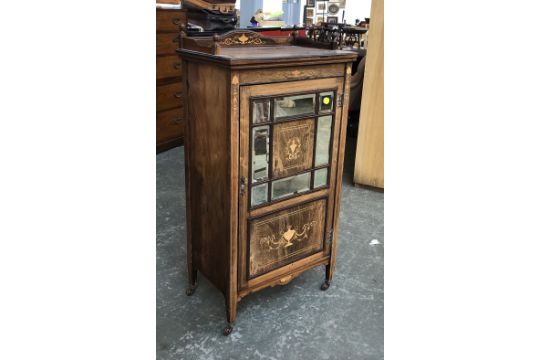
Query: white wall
[357,9]
[272,5]
[354,9]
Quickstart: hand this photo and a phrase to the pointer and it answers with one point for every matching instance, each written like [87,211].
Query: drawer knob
[177,95]
[176,21]
[178,66]
[177,120]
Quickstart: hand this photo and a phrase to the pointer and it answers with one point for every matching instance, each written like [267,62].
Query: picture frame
[310,13]
[320,19]
[310,3]
[333,8]
[332,19]
[308,22]
[321,6]
[341,3]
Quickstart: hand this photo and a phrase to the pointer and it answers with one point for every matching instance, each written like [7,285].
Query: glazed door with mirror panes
[288,135]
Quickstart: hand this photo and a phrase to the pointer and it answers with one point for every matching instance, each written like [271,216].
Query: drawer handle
[176,21]
[177,120]
[178,66]
[285,280]
[177,95]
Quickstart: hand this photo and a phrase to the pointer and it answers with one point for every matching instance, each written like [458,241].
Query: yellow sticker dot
[326,101]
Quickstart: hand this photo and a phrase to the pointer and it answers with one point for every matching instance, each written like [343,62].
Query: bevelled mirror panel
[294,105]
[260,111]
[260,151]
[259,194]
[324,134]
[291,185]
[321,178]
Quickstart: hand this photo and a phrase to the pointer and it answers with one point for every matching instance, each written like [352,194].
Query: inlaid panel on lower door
[292,147]
[280,238]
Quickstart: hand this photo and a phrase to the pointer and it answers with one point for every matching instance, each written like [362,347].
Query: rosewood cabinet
[264,147]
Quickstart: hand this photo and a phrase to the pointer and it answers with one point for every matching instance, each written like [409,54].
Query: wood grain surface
[169,66]
[170,124]
[209,168]
[169,96]
[369,163]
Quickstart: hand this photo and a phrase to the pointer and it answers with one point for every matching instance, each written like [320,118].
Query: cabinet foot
[191,290]
[228,330]
[325,285]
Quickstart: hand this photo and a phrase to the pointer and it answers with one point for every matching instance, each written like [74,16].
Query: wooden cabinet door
[289,134]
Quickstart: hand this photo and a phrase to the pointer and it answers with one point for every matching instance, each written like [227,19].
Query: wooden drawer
[166,44]
[169,96]
[170,20]
[168,66]
[169,125]
[280,238]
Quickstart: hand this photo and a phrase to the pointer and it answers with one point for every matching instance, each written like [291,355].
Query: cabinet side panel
[208,172]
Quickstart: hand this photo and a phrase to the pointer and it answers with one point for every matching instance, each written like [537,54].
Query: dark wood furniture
[169,109]
[264,147]
[342,35]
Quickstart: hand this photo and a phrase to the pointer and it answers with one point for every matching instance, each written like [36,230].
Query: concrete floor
[296,321]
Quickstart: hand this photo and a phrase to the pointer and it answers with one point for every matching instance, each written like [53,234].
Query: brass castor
[228,330]
[325,285]
[191,290]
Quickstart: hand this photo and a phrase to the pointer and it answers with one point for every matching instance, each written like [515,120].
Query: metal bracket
[340,100]
[242,185]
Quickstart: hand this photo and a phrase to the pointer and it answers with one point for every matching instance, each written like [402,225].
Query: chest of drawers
[264,147]
[169,105]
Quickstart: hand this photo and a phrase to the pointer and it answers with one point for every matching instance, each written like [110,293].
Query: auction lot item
[264,146]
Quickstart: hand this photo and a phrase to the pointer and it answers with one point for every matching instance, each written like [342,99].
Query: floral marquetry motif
[242,38]
[293,147]
[281,238]
[288,237]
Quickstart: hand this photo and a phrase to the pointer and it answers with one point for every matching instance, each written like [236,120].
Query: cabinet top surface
[234,55]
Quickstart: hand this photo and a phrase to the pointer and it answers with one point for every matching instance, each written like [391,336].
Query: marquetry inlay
[293,147]
[288,237]
[242,39]
[280,238]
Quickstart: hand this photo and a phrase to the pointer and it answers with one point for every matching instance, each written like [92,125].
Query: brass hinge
[340,100]
[242,185]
